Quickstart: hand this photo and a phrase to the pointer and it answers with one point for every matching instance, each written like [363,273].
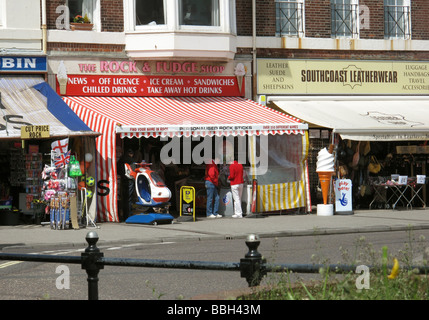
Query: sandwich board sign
[187,203]
[343,196]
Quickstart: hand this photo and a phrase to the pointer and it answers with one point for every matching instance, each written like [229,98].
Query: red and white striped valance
[188,116]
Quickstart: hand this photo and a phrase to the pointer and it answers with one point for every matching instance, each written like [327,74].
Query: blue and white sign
[23,64]
[343,196]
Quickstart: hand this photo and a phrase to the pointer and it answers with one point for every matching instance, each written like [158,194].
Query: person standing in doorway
[127,185]
[211,181]
[237,182]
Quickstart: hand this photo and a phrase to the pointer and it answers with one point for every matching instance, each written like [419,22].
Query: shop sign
[187,201]
[219,129]
[117,85]
[159,67]
[283,77]
[23,64]
[35,132]
[343,195]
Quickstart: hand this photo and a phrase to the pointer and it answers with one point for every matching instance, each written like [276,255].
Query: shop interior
[176,175]
[282,159]
[384,175]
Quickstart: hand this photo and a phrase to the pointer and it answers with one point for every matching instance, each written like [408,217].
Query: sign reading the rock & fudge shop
[160,78]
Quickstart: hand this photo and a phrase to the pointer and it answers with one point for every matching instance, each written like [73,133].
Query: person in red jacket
[236,181]
[211,182]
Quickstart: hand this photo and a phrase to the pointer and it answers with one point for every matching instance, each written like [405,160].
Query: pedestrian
[211,181]
[237,182]
[127,187]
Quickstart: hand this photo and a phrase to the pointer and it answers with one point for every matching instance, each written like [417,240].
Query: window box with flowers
[81,23]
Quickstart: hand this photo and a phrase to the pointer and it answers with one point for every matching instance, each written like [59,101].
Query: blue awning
[27,100]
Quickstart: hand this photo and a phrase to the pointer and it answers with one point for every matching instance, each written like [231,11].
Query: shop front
[176,115]
[34,119]
[375,113]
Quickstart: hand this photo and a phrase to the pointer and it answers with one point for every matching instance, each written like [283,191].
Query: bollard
[252,266]
[89,262]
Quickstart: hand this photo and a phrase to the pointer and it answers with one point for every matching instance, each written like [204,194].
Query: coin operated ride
[152,195]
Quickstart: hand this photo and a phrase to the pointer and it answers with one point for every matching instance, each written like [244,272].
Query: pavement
[274,225]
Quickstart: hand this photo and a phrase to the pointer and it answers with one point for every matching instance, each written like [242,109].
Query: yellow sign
[35,132]
[283,77]
[187,201]
[188,194]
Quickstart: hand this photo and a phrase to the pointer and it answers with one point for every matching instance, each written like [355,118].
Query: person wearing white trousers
[236,181]
[237,191]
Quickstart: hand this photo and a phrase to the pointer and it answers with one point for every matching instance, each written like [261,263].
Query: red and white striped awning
[187,116]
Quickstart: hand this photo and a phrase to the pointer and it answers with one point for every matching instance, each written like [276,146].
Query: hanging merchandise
[374,166]
[62,160]
[60,146]
[74,168]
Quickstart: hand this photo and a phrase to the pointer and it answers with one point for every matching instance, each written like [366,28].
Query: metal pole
[252,267]
[91,263]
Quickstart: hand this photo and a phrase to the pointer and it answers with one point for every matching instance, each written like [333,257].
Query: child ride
[151,193]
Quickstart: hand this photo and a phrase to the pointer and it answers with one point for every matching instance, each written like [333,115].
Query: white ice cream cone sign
[62,78]
[325,167]
[63,85]
[240,72]
[240,82]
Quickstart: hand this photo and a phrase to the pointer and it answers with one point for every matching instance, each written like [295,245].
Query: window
[150,12]
[289,18]
[81,8]
[397,19]
[2,12]
[199,12]
[344,18]
[184,15]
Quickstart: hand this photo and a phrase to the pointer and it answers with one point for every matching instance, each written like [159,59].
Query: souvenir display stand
[66,192]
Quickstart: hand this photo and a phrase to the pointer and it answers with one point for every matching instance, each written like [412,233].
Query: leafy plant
[80,19]
[385,284]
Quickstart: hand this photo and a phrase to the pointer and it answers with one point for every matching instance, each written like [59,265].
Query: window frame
[300,19]
[171,16]
[146,27]
[96,21]
[352,16]
[406,30]
[200,27]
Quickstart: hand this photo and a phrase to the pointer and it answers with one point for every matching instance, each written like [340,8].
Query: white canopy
[364,118]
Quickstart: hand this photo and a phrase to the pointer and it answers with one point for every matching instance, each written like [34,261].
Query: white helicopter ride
[151,193]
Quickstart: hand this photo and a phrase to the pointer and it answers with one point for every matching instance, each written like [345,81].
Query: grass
[407,285]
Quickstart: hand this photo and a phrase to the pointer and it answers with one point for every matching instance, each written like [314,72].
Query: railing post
[252,267]
[89,262]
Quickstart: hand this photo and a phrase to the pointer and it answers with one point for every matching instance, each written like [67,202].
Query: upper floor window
[344,18]
[397,19]
[199,12]
[289,18]
[2,11]
[81,8]
[189,15]
[150,12]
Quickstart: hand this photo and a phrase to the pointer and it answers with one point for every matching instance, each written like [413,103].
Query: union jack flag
[62,160]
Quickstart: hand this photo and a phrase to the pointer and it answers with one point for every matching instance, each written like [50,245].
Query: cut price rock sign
[155,86]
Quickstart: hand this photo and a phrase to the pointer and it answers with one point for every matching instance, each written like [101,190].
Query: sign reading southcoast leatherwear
[283,77]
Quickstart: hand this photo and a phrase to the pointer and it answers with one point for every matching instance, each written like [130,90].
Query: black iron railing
[253,267]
